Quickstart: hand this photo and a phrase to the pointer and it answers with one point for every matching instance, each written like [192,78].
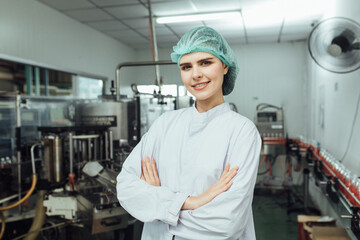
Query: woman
[178,178]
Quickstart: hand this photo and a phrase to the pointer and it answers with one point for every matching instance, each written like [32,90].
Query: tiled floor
[272,221]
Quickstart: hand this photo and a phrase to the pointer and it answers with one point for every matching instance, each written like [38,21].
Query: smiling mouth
[200,86]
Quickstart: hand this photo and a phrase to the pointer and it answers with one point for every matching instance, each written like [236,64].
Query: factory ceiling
[260,20]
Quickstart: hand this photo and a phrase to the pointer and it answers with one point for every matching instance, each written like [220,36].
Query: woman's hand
[220,186]
[149,172]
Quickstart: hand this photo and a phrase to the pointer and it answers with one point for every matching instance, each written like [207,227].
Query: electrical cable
[272,161]
[282,165]
[2,224]
[263,160]
[234,108]
[107,197]
[28,194]
[262,106]
[31,190]
[352,129]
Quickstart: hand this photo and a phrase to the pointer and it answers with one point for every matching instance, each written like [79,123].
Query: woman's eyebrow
[182,64]
[205,59]
[201,60]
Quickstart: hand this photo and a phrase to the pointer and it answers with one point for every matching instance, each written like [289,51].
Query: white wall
[269,73]
[146,75]
[272,73]
[337,95]
[34,32]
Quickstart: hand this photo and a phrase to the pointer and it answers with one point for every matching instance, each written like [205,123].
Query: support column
[46,82]
[29,80]
[37,81]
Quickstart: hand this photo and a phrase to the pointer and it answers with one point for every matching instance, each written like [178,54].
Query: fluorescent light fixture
[306,9]
[264,14]
[272,13]
[200,17]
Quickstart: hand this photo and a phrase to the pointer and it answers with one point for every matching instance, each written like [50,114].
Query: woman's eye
[186,67]
[206,63]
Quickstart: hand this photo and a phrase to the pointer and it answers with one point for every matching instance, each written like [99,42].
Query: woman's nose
[197,74]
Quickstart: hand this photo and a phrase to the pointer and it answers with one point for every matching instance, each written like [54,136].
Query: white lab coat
[191,150]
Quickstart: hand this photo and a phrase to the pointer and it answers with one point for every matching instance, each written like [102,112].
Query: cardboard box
[307,223]
[330,233]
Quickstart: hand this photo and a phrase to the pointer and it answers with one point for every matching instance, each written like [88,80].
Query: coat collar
[200,120]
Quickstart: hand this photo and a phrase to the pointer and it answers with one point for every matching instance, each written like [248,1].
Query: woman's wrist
[190,203]
[194,202]
[187,204]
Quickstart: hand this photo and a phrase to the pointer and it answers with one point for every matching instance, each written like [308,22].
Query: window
[88,87]
[42,81]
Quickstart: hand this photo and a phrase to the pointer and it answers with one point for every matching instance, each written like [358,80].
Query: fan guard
[334,44]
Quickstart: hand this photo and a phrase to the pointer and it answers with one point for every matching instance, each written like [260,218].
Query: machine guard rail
[135,64]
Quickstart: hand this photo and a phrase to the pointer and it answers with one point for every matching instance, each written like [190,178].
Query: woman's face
[203,75]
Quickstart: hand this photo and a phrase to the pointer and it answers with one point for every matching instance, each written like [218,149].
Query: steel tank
[53,158]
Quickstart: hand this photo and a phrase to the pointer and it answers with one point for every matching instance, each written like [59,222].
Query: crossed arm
[150,175]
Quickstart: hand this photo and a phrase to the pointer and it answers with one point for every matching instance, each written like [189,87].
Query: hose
[39,218]
[262,106]
[28,194]
[2,225]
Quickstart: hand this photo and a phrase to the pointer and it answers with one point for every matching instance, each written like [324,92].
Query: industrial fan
[334,44]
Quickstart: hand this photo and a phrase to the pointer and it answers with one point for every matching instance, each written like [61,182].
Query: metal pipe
[86,136]
[71,153]
[78,150]
[83,150]
[57,159]
[101,147]
[106,146]
[33,157]
[154,43]
[4,200]
[18,143]
[111,145]
[135,64]
[306,187]
[89,149]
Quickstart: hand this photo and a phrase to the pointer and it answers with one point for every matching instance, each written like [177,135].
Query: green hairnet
[205,39]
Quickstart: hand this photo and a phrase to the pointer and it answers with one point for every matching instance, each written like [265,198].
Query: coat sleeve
[145,202]
[227,215]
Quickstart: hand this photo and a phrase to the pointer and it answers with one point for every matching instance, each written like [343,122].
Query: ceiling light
[263,15]
[272,13]
[200,17]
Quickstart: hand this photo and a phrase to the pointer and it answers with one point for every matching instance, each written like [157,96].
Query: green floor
[272,222]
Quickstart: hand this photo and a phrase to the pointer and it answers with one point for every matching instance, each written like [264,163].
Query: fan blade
[331,45]
[356,46]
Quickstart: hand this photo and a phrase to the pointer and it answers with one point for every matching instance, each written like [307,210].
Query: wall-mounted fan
[334,44]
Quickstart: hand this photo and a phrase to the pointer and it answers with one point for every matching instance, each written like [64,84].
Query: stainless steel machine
[59,162]
[269,121]
[120,117]
[45,145]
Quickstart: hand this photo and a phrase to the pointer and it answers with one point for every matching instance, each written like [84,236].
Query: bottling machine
[46,143]
[59,162]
